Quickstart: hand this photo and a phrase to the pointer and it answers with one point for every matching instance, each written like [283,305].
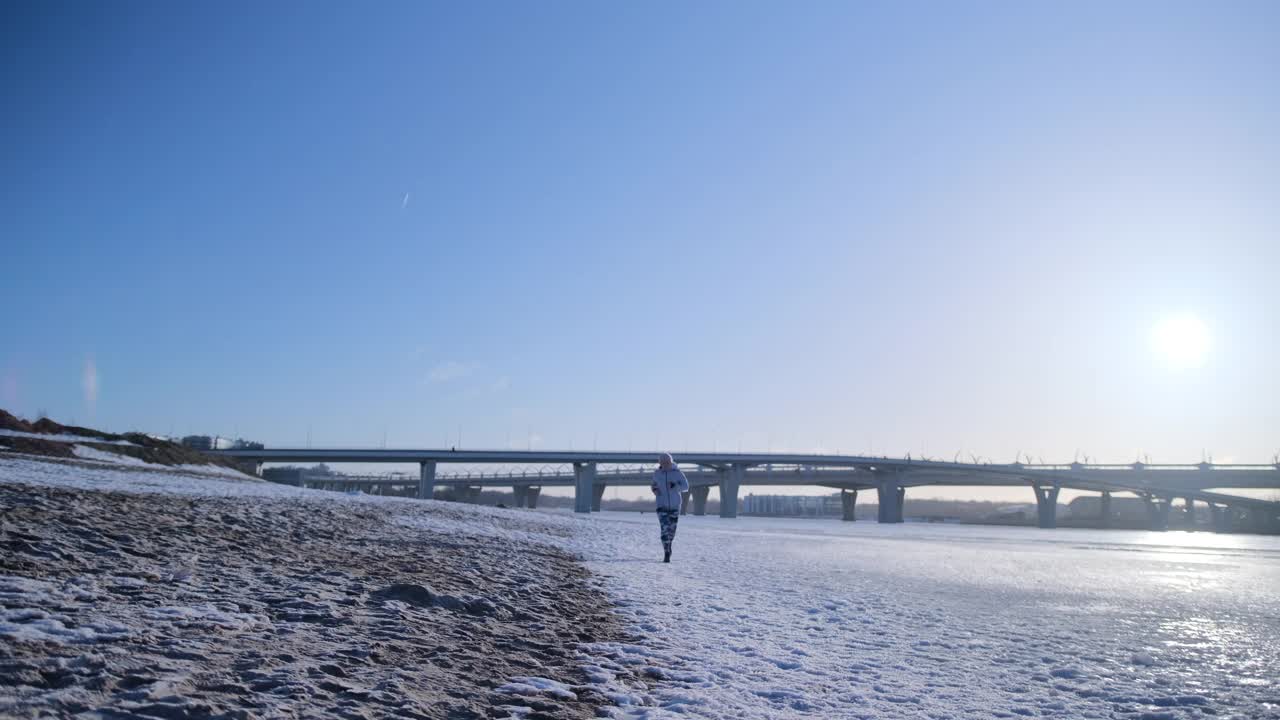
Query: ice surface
[759,618]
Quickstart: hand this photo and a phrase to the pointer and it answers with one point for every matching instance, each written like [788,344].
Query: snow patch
[88,453]
[21,622]
[63,438]
[206,615]
[537,686]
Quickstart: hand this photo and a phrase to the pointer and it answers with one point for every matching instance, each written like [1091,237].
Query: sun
[1181,341]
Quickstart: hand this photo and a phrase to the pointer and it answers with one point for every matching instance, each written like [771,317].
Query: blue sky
[901,227]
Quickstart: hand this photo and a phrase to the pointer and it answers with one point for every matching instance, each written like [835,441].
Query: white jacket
[667,486]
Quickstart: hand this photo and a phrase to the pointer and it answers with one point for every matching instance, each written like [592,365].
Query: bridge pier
[699,496]
[1263,521]
[1158,511]
[891,497]
[584,480]
[426,480]
[848,503]
[1046,505]
[519,495]
[1221,515]
[1104,511]
[534,492]
[684,503]
[1191,513]
[597,496]
[730,482]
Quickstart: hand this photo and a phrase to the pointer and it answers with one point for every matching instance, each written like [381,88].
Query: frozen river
[767,618]
[759,618]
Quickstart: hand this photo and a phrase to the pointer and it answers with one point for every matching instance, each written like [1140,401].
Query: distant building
[1012,515]
[285,475]
[204,442]
[198,442]
[1125,511]
[300,476]
[791,505]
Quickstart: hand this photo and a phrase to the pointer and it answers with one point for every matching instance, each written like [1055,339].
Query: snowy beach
[210,595]
[130,591]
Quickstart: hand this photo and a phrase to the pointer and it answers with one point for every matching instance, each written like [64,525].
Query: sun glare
[1182,341]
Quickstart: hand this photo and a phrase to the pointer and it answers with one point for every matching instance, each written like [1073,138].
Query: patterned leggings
[667,520]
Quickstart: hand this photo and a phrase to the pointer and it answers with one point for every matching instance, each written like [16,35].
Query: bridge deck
[557,468]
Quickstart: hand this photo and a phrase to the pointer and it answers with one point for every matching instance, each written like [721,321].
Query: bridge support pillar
[534,492]
[1221,516]
[1158,512]
[584,480]
[684,503]
[426,479]
[597,496]
[891,497]
[699,496]
[1191,513]
[1261,521]
[1046,504]
[1104,510]
[848,503]
[730,481]
[519,495]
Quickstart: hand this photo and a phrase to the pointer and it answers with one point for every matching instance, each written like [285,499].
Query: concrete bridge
[589,473]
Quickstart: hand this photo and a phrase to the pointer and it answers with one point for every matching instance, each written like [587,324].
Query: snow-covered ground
[763,618]
[171,593]
[61,438]
[760,618]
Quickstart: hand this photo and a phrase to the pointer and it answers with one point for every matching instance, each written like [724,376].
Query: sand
[151,605]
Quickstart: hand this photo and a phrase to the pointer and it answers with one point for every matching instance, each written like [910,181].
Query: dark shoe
[666,553]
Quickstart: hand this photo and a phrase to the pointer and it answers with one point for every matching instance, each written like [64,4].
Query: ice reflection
[1069,623]
[1199,632]
[1187,579]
